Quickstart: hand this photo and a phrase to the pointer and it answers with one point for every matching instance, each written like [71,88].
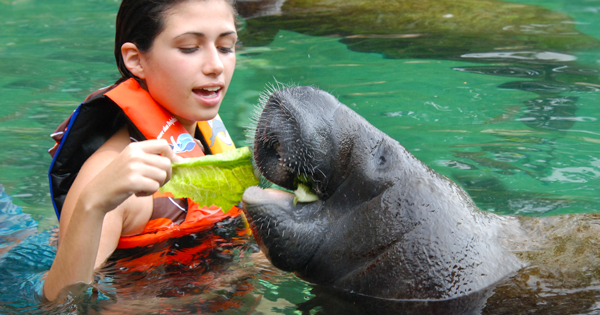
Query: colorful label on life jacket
[216,135]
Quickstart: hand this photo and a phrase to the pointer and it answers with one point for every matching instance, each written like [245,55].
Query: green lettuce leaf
[218,179]
[304,194]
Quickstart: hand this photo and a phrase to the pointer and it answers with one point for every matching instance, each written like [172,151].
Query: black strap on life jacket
[90,126]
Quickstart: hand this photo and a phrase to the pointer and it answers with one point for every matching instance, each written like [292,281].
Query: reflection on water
[184,275]
[252,9]
[23,258]
[556,113]
[334,302]
[14,225]
[506,200]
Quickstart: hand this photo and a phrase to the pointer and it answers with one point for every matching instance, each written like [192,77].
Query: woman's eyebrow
[228,33]
[199,34]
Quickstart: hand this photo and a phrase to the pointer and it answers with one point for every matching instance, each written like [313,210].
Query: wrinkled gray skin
[386,225]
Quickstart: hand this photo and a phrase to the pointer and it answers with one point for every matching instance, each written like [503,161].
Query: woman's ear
[133,60]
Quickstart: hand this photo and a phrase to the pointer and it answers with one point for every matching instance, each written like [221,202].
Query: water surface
[516,127]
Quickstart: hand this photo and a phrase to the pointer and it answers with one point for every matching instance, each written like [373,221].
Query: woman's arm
[112,191]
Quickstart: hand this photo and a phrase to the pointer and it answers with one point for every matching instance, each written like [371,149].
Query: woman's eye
[226,49]
[188,50]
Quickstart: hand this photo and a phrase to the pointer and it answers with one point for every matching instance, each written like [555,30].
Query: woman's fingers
[171,155]
[155,157]
[158,168]
[160,147]
[141,169]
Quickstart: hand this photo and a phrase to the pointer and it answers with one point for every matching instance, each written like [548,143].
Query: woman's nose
[212,65]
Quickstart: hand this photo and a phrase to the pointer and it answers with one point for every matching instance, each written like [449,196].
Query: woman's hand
[140,169]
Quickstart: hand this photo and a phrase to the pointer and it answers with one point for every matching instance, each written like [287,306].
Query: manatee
[387,226]
[432,29]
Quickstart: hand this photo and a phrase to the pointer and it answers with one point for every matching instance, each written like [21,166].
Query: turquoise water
[517,129]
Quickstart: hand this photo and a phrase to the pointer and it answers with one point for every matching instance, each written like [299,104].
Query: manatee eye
[277,148]
[381,156]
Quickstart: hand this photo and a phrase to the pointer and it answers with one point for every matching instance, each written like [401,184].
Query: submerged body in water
[210,271]
[437,29]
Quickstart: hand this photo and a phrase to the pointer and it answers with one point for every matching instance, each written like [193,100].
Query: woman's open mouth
[208,92]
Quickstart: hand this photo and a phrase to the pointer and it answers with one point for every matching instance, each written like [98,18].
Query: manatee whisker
[322,173]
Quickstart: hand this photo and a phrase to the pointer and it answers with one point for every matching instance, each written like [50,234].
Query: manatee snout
[275,154]
[292,140]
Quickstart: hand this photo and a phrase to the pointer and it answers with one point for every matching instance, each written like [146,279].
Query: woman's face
[190,64]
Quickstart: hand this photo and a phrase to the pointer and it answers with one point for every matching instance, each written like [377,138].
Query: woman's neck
[189,125]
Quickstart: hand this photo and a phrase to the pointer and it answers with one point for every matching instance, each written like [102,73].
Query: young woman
[177,58]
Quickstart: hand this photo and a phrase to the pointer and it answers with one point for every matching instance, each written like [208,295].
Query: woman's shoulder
[116,143]
[105,154]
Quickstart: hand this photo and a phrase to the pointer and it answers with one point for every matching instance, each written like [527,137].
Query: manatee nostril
[269,156]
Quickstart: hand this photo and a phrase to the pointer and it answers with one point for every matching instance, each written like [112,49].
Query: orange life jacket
[98,118]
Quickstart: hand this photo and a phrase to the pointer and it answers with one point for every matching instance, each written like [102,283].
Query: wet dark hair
[139,22]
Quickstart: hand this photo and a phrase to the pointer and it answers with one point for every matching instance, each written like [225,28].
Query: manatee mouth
[274,197]
[288,240]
